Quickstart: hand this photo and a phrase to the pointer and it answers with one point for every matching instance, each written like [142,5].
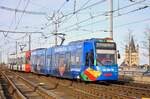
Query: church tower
[132,54]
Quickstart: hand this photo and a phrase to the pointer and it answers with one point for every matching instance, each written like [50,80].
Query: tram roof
[93,39]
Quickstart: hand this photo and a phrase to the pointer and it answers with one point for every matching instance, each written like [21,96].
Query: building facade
[132,54]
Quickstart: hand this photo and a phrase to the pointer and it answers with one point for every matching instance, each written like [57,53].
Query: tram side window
[20,61]
[73,59]
[79,57]
[76,58]
[27,61]
[53,59]
[61,61]
[68,60]
[23,60]
[38,60]
[33,60]
[41,60]
[56,60]
[49,60]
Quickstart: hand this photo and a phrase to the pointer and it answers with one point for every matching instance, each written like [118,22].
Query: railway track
[81,90]
[67,89]
[132,92]
[20,88]
[62,88]
[139,85]
[113,91]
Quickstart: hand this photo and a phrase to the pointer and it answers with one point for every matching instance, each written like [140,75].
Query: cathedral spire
[132,54]
[132,45]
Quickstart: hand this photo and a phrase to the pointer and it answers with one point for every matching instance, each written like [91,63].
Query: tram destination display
[101,45]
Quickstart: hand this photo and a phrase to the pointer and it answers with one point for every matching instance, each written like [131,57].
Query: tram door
[88,54]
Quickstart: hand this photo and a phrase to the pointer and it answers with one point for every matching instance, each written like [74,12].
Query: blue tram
[89,60]
[38,59]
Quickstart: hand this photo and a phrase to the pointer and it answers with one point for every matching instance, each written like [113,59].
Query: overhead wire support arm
[22,11]
[21,32]
[61,36]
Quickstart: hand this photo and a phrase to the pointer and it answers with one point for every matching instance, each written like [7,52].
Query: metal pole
[29,42]
[111,18]
[56,34]
[7,57]
[149,50]
[0,57]
[16,47]
[129,51]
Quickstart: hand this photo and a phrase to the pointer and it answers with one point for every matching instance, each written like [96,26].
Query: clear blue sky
[125,19]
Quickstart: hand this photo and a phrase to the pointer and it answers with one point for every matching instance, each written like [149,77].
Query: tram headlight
[78,77]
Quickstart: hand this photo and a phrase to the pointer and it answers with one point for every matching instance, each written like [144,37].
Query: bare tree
[146,43]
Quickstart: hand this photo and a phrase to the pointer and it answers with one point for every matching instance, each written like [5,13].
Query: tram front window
[105,59]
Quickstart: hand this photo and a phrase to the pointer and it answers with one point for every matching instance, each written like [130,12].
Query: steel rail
[96,93]
[131,87]
[14,91]
[92,91]
[37,88]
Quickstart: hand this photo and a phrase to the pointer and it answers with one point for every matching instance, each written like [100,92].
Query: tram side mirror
[118,55]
